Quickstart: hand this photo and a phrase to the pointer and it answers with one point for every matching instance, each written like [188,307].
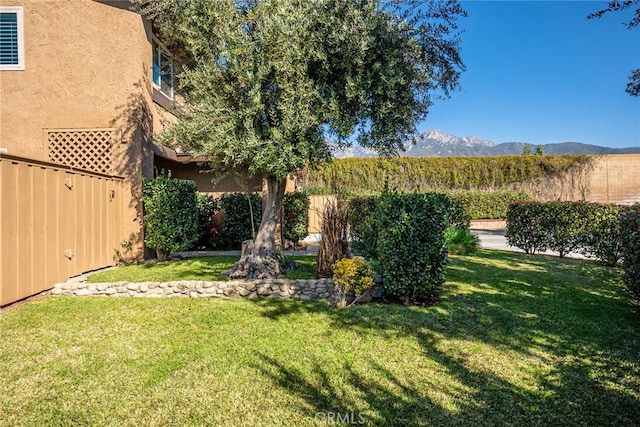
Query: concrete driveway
[495,238]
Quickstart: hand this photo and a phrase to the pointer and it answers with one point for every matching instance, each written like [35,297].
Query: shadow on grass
[285,308]
[198,268]
[569,318]
[202,268]
[390,402]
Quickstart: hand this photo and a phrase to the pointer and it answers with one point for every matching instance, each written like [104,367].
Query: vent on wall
[88,149]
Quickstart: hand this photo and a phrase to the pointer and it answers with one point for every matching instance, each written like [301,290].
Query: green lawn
[515,340]
[202,268]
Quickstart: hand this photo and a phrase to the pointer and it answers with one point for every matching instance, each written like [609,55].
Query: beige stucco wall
[87,65]
[205,181]
[615,179]
[609,178]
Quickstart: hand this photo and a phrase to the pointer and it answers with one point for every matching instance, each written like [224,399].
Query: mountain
[438,143]
[566,148]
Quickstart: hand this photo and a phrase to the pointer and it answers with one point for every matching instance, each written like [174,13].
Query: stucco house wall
[87,69]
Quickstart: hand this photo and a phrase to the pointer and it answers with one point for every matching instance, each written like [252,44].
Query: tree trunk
[257,261]
[162,255]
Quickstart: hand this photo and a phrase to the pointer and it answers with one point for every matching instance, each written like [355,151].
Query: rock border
[252,289]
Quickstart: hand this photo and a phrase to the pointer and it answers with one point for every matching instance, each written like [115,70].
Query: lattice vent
[88,149]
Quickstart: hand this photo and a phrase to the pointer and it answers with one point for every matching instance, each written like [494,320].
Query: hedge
[630,230]
[465,206]
[237,226]
[171,214]
[295,225]
[592,229]
[207,230]
[362,227]
[566,225]
[410,243]
[524,227]
[604,238]
[367,176]
[476,204]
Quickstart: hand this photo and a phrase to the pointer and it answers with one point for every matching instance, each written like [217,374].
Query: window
[162,70]
[11,43]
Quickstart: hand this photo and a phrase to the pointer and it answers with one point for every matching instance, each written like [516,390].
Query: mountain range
[438,143]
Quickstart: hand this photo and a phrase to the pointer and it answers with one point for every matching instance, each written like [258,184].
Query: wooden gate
[55,223]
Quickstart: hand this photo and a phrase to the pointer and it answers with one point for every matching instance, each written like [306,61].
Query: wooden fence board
[55,223]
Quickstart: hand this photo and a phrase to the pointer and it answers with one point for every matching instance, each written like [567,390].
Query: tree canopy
[268,83]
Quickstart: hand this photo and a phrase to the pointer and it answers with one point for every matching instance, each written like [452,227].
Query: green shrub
[237,225]
[410,243]
[463,203]
[295,225]
[362,226]
[630,228]
[459,216]
[352,275]
[525,228]
[603,237]
[558,226]
[466,205]
[460,241]
[208,231]
[171,214]
[565,225]
[589,228]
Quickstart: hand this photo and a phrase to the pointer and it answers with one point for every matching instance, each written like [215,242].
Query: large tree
[633,87]
[267,83]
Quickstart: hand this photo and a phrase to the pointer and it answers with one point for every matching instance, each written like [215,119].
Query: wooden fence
[55,223]
[316,207]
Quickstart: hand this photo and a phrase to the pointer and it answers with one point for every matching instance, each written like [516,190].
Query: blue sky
[541,72]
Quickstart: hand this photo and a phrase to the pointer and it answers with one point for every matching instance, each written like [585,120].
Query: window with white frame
[162,70]
[11,42]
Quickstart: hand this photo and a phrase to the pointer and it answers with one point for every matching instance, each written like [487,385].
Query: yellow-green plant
[352,275]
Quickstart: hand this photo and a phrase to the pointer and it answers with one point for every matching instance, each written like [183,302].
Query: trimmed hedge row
[604,241]
[363,231]
[367,176]
[226,231]
[208,233]
[630,231]
[608,233]
[236,225]
[592,229]
[475,204]
[464,207]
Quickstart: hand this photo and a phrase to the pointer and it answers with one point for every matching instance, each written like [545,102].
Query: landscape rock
[250,289]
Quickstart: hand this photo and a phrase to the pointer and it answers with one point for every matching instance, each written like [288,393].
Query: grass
[515,340]
[202,268]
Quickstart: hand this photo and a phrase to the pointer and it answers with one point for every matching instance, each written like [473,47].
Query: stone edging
[252,289]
